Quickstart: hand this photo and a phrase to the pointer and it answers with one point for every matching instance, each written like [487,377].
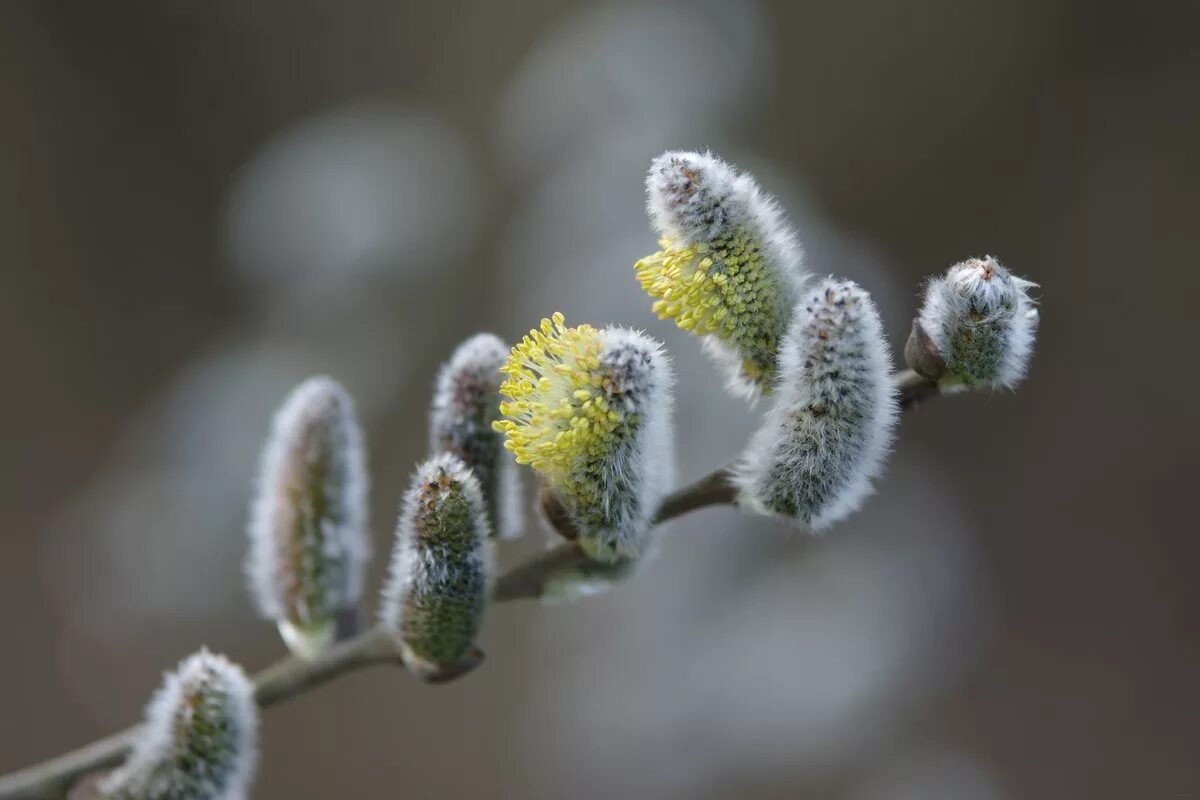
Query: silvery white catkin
[466,401]
[983,323]
[730,268]
[308,540]
[834,412]
[590,410]
[440,575]
[199,740]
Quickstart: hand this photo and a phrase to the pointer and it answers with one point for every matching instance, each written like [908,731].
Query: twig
[714,489]
[526,581]
[291,677]
[914,389]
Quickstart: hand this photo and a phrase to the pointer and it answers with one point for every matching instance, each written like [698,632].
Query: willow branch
[291,677]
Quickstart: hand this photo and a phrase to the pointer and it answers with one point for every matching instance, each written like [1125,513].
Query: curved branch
[291,677]
[714,489]
[527,581]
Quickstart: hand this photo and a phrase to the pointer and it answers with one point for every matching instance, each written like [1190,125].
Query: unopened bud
[465,404]
[831,422]
[308,541]
[439,579]
[199,740]
[982,322]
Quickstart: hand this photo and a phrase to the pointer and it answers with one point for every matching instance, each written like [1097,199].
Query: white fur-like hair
[696,198]
[729,364]
[227,760]
[315,451]
[420,562]
[830,426]
[638,471]
[983,322]
[466,400]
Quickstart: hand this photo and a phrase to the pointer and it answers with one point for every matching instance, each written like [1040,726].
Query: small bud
[983,323]
[465,404]
[590,410]
[439,579]
[308,541]
[730,265]
[199,740]
[828,431]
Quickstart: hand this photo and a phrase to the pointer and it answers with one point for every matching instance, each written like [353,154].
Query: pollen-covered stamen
[584,408]
[558,408]
[729,268]
[724,290]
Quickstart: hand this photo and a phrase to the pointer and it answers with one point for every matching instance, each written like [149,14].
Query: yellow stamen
[725,290]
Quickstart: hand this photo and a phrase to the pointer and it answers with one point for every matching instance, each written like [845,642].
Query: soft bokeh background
[203,202]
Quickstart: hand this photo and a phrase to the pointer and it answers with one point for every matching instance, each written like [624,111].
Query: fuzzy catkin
[590,409]
[199,740]
[730,268]
[440,574]
[981,319]
[466,401]
[831,423]
[308,541]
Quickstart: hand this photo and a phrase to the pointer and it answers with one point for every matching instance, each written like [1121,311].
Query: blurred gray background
[202,203]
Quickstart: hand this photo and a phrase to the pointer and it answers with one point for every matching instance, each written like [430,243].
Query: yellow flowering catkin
[589,410]
[729,267]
